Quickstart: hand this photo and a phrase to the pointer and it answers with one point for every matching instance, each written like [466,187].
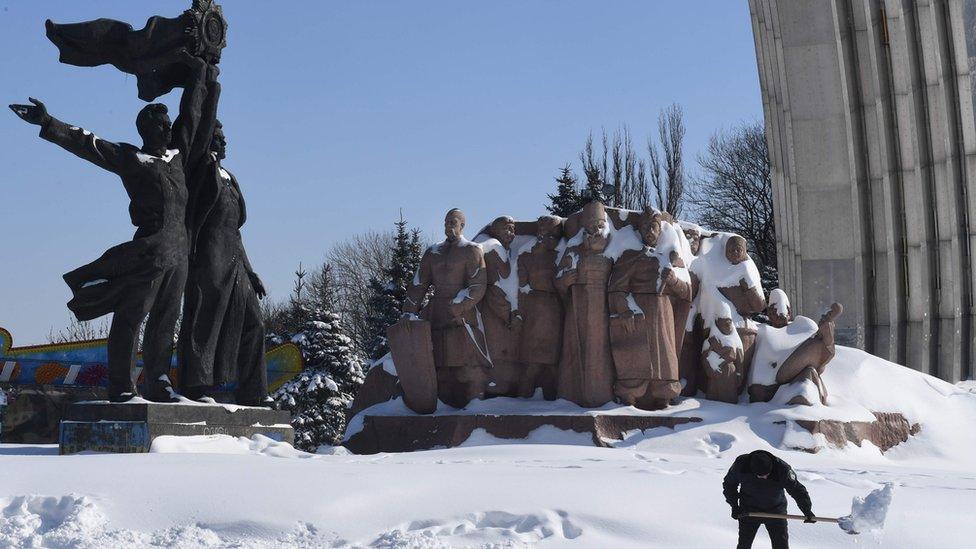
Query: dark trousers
[163,306]
[776,528]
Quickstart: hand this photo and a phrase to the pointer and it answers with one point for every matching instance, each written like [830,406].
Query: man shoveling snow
[755,484]
[754,488]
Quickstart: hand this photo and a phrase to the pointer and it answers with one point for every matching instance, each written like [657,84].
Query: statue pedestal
[405,433]
[130,427]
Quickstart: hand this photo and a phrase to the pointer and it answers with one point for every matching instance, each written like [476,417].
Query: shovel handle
[792,517]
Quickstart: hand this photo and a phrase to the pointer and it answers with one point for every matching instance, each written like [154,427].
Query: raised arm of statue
[84,144]
[418,287]
[80,142]
[194,127]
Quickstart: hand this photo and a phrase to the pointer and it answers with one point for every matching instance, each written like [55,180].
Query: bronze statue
[146,275]
[456,270]
[586,366]
[222,333]
[542,311]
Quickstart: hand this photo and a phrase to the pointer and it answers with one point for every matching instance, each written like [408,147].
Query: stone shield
[413,357]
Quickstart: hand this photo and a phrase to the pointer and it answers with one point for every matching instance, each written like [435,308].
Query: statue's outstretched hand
[33,114]
[257,285]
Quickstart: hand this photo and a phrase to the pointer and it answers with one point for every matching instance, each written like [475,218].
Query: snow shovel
[867,513]
[791,517]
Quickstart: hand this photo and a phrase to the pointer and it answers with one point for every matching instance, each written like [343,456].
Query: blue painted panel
[121,437]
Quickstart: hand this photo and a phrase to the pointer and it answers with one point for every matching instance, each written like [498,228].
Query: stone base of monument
[101,426]
[885,432]
[406,433]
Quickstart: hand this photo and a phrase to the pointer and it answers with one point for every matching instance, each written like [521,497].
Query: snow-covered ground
[654,489]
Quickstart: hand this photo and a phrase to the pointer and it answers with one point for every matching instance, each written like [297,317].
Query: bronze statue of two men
[187,210]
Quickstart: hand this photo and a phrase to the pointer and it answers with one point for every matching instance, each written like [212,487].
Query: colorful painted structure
[83,364]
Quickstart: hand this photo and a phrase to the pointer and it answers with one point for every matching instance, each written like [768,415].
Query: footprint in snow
[714,444]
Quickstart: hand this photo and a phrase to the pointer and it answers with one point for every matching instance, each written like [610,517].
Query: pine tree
[388,295]
[319,396]
[567,199]
[283,320]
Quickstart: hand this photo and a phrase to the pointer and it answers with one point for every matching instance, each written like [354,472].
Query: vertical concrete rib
[946,328]
[955,351]
[847,18]
[965,140]
[772,120]
[923,325]
[888,169]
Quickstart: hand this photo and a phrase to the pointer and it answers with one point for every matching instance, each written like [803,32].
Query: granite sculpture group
[605,305]
[186,207]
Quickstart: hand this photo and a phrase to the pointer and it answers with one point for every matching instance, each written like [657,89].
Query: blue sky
[339,114]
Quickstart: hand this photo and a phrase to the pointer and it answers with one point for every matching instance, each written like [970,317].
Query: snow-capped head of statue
[549,229]
[595,218]
[736,250]
[502,229]
[595,226]
[778,310]
[454,225]
[694,237]
[649,227]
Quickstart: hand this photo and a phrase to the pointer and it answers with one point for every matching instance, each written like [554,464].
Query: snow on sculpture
[793,353]
[541,309]
[499,308]
[586,366]
[729,290]
[643,284]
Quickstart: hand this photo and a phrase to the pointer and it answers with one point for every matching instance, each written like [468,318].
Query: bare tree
[735,193]
[80,331]
[614,174]
[353,263]
[667,165]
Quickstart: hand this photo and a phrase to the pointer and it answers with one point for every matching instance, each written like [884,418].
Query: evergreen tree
[567,199]
[282,320]
[319,396]
[388,295]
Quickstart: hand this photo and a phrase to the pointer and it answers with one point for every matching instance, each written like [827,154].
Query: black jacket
[745,490]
